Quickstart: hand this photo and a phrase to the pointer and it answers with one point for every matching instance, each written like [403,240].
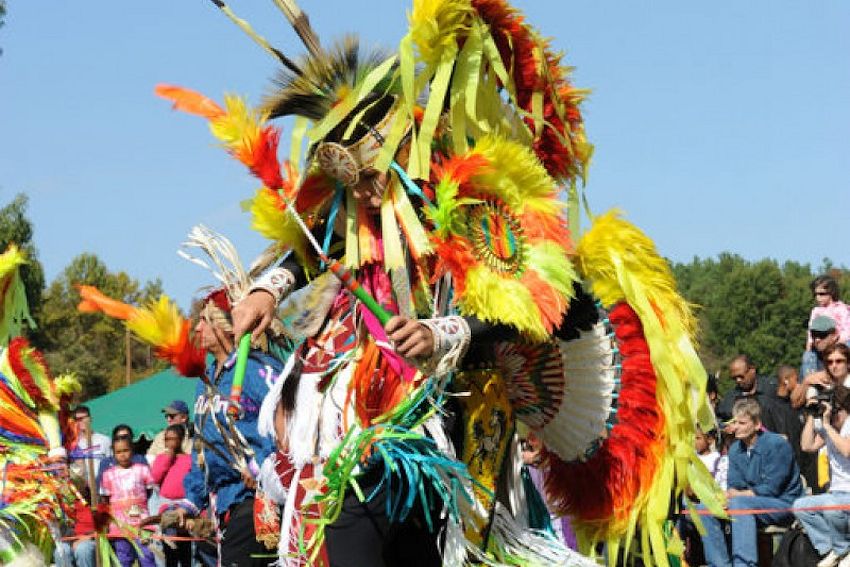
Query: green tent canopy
[140,404]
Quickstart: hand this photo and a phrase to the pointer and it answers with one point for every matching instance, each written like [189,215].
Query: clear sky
[719,126]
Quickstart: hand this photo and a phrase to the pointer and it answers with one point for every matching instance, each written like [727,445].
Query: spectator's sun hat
[822,324]
[177,406]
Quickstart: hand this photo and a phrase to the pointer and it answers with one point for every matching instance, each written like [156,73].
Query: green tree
[91,344]
[16,228]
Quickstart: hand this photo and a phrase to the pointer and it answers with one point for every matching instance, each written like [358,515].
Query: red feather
[20,348]
[607,484]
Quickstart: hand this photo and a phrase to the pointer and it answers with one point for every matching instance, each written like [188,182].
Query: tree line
[94,347]
[760,308]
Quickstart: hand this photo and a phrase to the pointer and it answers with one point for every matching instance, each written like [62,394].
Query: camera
[815,406]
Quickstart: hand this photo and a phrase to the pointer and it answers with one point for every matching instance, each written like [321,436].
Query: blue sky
[719,126]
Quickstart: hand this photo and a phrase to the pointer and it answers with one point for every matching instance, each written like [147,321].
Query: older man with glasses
[176,413]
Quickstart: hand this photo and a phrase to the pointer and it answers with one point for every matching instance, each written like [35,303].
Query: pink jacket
[839,312]
[168,472]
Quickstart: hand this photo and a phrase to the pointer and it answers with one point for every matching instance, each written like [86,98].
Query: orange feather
[190,101]
[94,301]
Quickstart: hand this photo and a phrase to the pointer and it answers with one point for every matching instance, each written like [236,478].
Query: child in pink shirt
[825,290]
[169,468]
[127,486]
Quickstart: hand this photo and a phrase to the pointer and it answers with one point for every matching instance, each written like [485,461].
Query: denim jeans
[80,556]
[744,546]
[827,529]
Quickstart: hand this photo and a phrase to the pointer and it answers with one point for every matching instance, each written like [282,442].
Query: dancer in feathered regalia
[436,296]
[35,431]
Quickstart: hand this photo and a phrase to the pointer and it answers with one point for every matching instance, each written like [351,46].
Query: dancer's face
[370,189]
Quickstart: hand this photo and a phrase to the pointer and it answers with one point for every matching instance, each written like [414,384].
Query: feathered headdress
[158,324]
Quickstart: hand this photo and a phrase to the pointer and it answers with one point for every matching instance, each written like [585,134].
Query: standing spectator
[127,486]
[788,379]
[828,529]
[120,430]
[81,453]
[176,413]
[169,470]
[748,384]
[829,304]
[762,474]
[824,334]
[836,373]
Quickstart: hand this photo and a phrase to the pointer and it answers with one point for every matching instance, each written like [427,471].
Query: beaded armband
[277,281]
[451,341]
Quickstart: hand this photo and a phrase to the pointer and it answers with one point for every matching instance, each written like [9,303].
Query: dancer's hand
[253,314]
[410,338]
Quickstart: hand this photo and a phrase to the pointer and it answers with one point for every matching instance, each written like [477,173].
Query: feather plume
[325,81]
[190,101]
[301,23]
[623,267]
[158,324]
[14,312]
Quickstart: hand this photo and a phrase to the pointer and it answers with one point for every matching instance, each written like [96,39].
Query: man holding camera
[827,425]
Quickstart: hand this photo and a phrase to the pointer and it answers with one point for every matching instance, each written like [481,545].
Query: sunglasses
[171,415]
[821,293]
[831,361]
[820,335]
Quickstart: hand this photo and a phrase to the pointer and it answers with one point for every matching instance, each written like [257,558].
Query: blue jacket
[219,475]
[769,469]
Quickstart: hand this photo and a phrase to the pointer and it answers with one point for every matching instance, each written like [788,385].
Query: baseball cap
[822,324]
[177,406]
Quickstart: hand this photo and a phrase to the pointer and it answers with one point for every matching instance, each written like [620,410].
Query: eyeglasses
[831,361]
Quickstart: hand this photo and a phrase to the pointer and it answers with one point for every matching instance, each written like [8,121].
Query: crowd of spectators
[784,446]
[124,488]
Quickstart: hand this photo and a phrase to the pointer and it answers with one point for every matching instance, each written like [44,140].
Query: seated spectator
[175,413]
[705,445]
[78,552]
[762,475]
[82,453]
[828,530]
[169,469]
[829,304]
[823,333]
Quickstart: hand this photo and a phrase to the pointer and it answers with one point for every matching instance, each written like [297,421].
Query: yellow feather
[493,298]
[622,265]
[275,224]
[240,126]
[158,323]
[435,25]
[517,176]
